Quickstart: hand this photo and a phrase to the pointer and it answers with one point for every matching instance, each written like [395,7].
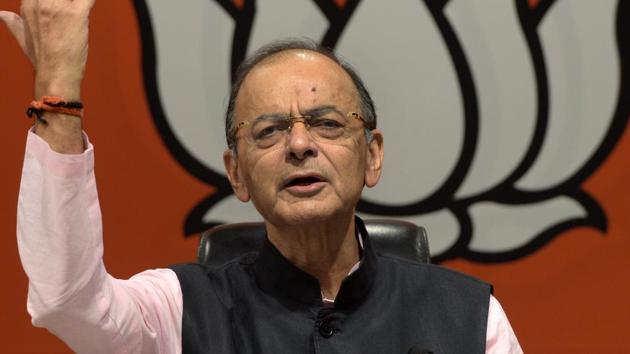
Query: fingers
[15,24]
[80,6]
[90,3]
[52,34]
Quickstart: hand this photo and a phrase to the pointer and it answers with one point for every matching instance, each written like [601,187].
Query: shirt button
[326,330]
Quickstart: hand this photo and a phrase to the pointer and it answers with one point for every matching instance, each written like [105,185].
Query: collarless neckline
[277,276]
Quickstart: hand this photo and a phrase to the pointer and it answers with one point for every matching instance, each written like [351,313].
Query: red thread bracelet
[55,104]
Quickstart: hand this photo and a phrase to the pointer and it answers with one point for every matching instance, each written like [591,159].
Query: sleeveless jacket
[261,303]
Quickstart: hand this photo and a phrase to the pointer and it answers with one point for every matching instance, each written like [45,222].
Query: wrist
[63,133]
[68,88]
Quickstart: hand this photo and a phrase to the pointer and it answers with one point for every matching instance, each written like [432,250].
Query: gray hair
[366,104]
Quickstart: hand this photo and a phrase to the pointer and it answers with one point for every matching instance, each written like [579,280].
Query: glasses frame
[300,119]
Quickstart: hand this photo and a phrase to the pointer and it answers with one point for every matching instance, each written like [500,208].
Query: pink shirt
[70,293]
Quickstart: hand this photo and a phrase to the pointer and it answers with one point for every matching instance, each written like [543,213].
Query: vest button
[326,330]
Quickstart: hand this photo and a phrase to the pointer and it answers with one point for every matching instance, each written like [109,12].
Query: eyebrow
[314,112]
[321,110]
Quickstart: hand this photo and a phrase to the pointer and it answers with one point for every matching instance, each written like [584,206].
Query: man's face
[301,180]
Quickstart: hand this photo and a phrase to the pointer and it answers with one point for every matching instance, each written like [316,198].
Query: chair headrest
[394,238]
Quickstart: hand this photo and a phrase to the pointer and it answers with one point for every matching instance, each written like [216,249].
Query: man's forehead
[293,74]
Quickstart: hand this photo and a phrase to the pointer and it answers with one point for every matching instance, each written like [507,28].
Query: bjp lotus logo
[494,112]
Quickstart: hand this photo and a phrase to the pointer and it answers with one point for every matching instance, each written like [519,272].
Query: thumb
[15,24]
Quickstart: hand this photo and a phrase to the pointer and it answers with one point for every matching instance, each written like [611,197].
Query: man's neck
[327,251]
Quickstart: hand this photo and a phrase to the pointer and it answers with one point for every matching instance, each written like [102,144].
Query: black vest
[261,303]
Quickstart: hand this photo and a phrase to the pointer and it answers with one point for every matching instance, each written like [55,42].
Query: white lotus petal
[501,66]
[578,39]
[405,63]
[442,228]
[231,210]
[281,19]
[501,228]
[193,48]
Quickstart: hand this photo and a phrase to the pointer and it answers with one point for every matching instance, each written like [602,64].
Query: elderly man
[302,144]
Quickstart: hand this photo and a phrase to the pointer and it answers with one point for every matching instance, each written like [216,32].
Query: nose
[300,144]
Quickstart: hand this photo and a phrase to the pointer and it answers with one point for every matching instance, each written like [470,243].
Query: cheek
[262,173]
[349,165]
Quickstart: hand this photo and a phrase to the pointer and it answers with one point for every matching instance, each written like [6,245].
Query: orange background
[573,296]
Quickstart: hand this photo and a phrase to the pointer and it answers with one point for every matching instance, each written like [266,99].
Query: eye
[269,130]
[266,132]
[326,123]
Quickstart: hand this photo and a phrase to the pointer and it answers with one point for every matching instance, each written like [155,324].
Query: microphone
[417,350]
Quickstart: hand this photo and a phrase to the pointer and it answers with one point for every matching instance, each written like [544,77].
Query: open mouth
[303,181]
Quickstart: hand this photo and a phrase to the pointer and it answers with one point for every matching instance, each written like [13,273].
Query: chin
[306,213]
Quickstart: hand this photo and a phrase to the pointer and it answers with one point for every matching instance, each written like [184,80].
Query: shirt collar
[280,278]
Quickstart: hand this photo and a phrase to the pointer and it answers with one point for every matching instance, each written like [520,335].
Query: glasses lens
[273,130]
[268,131]
[328,128]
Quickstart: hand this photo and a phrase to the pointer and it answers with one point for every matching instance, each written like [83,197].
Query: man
[302,143]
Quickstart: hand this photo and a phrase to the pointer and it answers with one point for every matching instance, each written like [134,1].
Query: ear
[374,159]
[234,175]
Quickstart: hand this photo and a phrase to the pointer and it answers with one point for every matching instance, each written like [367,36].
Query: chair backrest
[394,238]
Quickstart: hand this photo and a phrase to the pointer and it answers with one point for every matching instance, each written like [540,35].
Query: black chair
[394,238]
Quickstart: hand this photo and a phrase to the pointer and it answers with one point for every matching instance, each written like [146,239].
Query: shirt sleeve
[500,338]
[59,232]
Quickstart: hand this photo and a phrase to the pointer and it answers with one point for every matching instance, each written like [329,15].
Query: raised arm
[54,36]
[59,218]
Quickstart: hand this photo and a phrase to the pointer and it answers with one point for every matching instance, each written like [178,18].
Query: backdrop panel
[505,134]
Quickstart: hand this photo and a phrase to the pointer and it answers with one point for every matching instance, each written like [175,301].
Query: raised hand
[54,36]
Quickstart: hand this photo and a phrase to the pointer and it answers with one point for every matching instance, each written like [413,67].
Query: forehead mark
[267,68]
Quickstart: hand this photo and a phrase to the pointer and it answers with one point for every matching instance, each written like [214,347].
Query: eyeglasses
[270,130]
